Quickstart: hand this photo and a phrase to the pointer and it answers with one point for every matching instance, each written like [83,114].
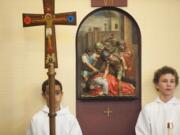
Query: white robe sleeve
[31,129]
[75,130]
[143,126]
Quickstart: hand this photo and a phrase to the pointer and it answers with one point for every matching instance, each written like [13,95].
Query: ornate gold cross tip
[108,112]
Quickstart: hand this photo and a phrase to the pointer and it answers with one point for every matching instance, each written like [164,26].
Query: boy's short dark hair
[165,70]
[46,83]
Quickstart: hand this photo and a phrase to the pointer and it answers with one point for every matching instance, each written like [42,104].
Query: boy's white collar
[61,111]
[173,100]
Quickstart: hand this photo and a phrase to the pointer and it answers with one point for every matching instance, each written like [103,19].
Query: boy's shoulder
[64,111]
[178,101]
[41,113]
[150,106]
[66,114]
[157,103]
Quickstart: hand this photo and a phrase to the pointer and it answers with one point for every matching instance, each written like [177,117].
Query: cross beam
[49,19]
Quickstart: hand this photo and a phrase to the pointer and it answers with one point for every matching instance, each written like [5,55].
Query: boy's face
[58,96]
[166,85]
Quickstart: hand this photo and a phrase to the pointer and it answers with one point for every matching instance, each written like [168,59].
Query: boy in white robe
[156,116]
[66,123]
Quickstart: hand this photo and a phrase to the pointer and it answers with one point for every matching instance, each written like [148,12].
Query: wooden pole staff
[52,112]
[51,77]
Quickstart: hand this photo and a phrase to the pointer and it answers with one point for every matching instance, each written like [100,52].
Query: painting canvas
[108,55]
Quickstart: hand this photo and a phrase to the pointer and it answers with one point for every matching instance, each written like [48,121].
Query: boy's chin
[168,94]
[57,107]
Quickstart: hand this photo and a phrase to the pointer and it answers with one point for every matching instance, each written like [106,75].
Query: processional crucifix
[49,19]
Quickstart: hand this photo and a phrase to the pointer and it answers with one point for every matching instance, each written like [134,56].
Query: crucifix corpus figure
[49,19]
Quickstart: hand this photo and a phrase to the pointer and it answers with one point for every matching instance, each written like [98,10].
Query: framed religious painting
[108,55]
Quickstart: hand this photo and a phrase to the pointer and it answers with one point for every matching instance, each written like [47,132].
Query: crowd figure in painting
[104,68]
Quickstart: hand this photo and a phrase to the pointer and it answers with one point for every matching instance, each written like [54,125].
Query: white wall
[22,53]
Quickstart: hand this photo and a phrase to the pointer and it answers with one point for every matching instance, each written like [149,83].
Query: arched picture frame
[108,55]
